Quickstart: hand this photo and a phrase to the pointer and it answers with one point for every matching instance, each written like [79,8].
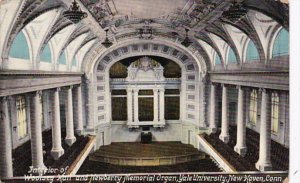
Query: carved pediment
[145,69]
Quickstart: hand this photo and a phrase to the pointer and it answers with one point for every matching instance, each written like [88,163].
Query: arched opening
[252,52]
[62,59]
[46,54]
[218,60]
[20,47]
[140,86]
[231,58]
[281,44]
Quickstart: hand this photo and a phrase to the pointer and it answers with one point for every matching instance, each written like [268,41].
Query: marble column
[70,138]
[155,98]
[212,112]
[129,106]
[136,105]
[240,146]
[36,133]
[224,136]
[6,169]
[264,161]
[162,105]
[57,149]
[79,127]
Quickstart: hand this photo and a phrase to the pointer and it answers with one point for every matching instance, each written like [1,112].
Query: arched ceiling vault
[98,53]
[124,18]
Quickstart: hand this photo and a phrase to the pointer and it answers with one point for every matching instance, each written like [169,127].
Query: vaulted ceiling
[168,20]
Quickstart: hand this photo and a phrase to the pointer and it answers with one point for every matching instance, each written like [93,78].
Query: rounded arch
[231,56]
[21,47]
[90,66]
[46,54]
[250,52]
[217,60]
[99,83]
[279,43]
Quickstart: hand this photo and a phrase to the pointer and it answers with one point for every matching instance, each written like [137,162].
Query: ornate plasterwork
[145,69]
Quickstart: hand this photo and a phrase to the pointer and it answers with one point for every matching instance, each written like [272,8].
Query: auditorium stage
[153,154]
[147,158]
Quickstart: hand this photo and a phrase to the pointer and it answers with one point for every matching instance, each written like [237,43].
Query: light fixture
[186,42]
[107,43]
[74,14]
[235,12]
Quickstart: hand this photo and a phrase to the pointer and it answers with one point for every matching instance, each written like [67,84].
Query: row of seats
[279,154]
[149,150]
[204,165]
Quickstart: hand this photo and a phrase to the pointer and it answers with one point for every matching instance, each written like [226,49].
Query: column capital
[4,99]
[39,92]
[129,89]
[57,89]
[162,90]
[265,90]
[136,90]
[155,90]
[241,87]
[34,93]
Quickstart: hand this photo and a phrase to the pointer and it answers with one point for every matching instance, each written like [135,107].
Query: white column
[129,106]
[162,105]
[79,127]
[212,112]
[240,146]
[155,97]
[264,161]
[57,149]
[70,138]
[136,105]
[36,133]
[224,136]
[6,169]
[90,122]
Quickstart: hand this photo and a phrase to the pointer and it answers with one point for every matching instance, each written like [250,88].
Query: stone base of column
[263,166]
[224,138]
[213,130]
[70,140]
[240,150]
[56,153]
[79,132]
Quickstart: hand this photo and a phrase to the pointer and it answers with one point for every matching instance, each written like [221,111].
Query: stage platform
[154,154]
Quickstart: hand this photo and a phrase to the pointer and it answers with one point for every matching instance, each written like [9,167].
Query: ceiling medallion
[146,31]
[236,11]
[107,43]
[186,42]
[74,14]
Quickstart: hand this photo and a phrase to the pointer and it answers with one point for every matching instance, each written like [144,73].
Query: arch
[217,59]
[20,47]
[231,57]
[191,75]
[251,52]
[281,43]
[74,62]
[46,55]
[62,59]
[97,53]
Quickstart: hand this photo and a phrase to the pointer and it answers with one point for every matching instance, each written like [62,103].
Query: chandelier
[107,43]
[186,42]
[74,14]
[236,11]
